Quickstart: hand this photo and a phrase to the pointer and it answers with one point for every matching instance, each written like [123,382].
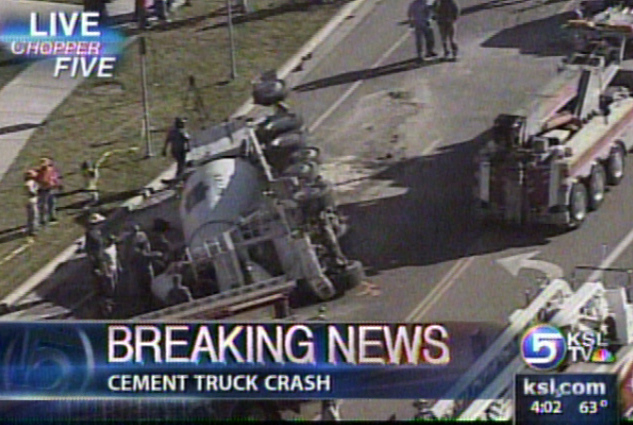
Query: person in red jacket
[49,181]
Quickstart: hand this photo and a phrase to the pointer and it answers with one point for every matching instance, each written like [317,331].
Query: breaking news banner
[78,41]
[561,399]
[57,360]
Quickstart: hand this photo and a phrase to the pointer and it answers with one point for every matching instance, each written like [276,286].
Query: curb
[32,282]
[309,47]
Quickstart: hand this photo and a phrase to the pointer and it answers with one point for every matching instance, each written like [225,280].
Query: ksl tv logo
[544,347]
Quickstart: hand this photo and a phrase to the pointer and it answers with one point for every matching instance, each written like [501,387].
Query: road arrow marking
[515,263]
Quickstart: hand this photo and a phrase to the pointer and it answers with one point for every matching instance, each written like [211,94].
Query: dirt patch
[376,134]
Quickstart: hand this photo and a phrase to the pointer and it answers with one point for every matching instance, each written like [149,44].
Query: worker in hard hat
[32,209]
[178,139]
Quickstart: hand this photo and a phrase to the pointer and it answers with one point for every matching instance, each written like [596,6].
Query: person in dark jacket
[139,261]
[420,19]
[94,241]
[446,14]
[179,293]
[178,139]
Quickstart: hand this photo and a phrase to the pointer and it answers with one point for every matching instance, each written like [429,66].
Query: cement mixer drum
[216,196]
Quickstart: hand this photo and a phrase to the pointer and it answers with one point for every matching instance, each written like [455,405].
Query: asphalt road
[400,142]
[403,146]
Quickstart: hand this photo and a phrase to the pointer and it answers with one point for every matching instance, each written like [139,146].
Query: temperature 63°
[592,407]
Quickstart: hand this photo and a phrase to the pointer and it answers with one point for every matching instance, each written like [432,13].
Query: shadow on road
[495,4]
[365,74]
[434,221]
[19,127]
[12,234]
[541,37]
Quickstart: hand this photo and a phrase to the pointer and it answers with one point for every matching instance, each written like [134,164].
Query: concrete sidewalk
[27,101]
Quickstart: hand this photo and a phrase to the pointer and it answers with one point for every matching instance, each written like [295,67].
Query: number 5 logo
[46,359]
[543,347]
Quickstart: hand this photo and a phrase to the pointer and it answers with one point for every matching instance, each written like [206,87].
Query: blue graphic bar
[57,360]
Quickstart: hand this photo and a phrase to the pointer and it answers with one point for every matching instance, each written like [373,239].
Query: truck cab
[550,163]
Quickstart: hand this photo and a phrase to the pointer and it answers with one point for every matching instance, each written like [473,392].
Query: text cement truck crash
[553,164]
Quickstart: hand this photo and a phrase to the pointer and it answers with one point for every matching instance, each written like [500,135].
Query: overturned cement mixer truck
[256,212]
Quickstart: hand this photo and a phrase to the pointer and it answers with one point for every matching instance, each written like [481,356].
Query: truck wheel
[615,166]
[597,183]
[309,153]
[577,205]
[349,277]
[316,198]
[354,274]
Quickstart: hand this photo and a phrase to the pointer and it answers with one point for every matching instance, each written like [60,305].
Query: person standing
[110,264]
[178,139]
[90,173]
[94,242]
[139,265]
[178,293]
[160,10]
[446,14]
[49,181]
[32,209]
[420,19]
[108,276]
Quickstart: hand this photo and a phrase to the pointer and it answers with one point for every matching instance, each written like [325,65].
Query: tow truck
[485,391]
[553,163]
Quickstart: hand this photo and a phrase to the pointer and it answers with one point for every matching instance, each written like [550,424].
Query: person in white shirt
[32,208]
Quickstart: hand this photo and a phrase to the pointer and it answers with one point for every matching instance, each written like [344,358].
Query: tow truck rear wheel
[577,205]
[596,185]
[615,165]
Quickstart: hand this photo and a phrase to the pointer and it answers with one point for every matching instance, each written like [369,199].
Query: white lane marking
[624,244]
[11,255]
[440,288]
[356,85]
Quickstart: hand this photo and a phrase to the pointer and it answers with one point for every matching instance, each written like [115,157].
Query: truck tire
[305,171]
[578,204]
[596,186]
[615,165]
[279,153]
[269,92]
[314,199]
[307,154]
[276,125]
[353,274]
